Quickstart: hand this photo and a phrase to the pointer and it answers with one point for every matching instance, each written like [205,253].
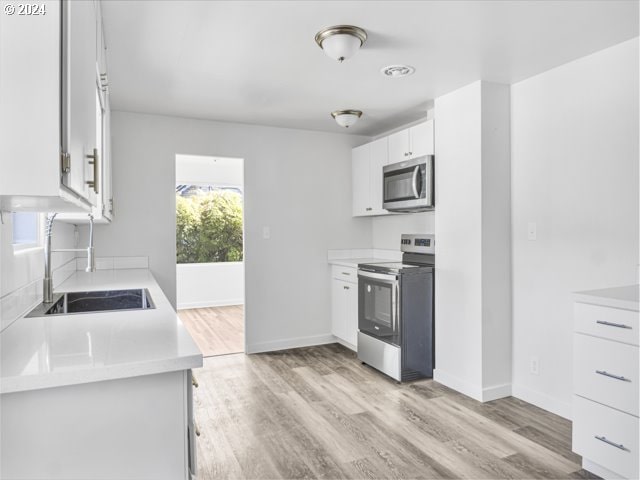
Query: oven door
[408,186]
[378,307]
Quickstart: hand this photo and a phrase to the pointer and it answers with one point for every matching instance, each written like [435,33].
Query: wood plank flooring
[216,330]
[317,412]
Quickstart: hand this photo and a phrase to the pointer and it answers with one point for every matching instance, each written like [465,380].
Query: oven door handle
[396,308]
[414,181]
[378,276]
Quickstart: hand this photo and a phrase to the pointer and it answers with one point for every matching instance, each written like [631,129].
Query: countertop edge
[67,379]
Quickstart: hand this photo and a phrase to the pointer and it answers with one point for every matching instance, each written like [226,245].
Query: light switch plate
[266,233]
[532,231]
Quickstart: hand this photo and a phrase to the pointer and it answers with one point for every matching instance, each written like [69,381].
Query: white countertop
[44,352]
[627,297]
[353,262]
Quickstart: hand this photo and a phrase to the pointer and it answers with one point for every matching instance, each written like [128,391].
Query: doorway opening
[210,251]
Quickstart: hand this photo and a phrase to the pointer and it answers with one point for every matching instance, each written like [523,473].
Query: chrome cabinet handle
[406,154]
[369,209]
[346,273]
[613,444]
[611,324]
[611,375]
[194,381]
[346,288]
[197,429]
[94,161]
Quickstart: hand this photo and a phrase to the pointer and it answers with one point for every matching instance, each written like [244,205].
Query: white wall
[296,182]
[386,230]
[21,273]
[575,174]
[472,291]
[210,284]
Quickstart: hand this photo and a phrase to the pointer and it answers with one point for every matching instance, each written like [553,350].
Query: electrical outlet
[266,233]
[534,366]
[532,231]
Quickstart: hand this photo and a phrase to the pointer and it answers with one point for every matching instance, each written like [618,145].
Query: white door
[421,139]
[399,146]
[79,23]
[360,159]
[379,158]
[351,312]
[338,308]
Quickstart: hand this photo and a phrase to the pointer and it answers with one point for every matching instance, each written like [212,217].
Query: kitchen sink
[93,302]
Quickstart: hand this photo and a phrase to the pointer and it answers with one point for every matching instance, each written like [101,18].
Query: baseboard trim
[290,343]
[543,401]
[496,392]
[477,393]
[345,344]
[599,470]
[457,384]
[215,303]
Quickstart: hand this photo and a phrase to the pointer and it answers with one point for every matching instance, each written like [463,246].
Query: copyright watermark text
[25,9]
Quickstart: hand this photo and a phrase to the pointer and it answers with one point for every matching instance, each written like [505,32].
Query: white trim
[477,393]
[458,384]
[543,401]
[207,303]
[496,392]
[599,470]
[345,344]
[290,343]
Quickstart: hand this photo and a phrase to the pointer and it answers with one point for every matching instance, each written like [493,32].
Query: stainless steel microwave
[408,185]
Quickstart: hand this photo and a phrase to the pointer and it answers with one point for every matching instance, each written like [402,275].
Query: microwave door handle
[414,182]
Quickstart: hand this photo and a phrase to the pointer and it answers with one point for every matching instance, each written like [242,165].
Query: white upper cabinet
[367,163]
[411,142]
[360,158]
[50,158]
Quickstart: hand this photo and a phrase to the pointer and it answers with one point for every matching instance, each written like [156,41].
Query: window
[208,223]
[26,230]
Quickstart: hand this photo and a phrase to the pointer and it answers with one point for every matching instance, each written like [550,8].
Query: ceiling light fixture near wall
[346,118]
[397,71]
[341,41]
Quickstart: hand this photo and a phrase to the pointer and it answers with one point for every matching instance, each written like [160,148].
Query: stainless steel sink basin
[93,302]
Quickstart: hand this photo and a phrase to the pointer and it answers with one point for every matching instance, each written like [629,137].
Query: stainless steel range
[395,311]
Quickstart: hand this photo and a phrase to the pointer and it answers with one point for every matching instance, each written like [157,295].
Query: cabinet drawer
[606,436]
[346,274]
[606,322]
[606,372]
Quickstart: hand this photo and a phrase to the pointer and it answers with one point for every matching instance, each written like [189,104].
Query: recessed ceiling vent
[396,71]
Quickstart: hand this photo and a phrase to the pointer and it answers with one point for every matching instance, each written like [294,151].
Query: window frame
[28,247]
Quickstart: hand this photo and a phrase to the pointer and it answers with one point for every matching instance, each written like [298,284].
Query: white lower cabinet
[344,305]
[605,405]
[132,428]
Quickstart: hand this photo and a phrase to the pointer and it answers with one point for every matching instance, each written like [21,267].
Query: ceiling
[257,62]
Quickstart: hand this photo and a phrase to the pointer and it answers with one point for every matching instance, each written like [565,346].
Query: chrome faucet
[47,285]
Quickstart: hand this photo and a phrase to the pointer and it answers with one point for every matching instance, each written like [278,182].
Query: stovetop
[395,267]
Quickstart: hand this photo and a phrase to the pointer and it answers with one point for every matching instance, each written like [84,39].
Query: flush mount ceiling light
[396,71]
[346,118]
[341,41]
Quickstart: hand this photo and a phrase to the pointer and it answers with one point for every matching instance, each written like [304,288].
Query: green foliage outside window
[209,227]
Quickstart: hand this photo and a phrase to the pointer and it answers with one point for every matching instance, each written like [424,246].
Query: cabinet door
[379,158]
[360,159]
[421,139]
[338,308]
[79,94]
[351,313]
[107,164]
[399,146]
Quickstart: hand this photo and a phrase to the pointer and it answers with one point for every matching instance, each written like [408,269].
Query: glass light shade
[341,46]
[346,119]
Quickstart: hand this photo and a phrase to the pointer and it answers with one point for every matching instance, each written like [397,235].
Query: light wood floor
[317,412]
[216,330]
